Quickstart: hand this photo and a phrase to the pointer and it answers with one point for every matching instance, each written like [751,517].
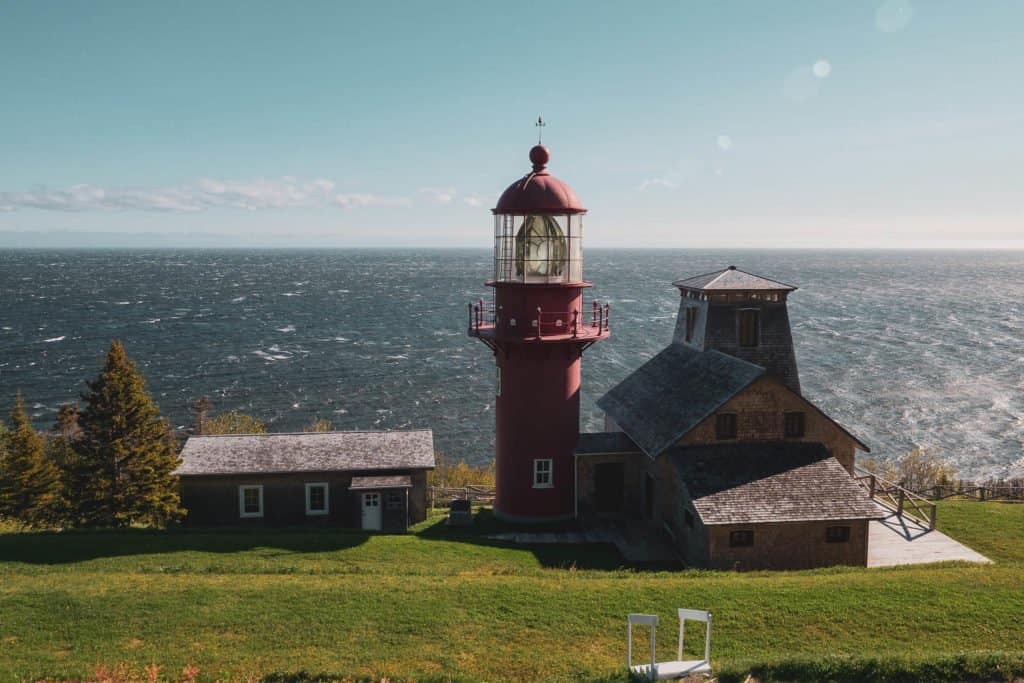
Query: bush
[917,470]
[451,474]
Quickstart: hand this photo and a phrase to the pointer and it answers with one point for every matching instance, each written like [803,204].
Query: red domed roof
[539,191]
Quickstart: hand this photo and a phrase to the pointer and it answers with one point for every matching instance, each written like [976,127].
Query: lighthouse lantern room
[538,327]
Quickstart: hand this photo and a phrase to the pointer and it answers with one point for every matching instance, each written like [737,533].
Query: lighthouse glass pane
[541,250]
[575,231]
[504,249]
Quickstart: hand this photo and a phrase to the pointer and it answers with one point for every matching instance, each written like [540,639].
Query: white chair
[661,671]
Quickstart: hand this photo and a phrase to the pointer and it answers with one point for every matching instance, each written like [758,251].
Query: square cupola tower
[741,314]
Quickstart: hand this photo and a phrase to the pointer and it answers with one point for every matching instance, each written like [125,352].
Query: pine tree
[60,451]
[5,487]
[126,452]
[31,480]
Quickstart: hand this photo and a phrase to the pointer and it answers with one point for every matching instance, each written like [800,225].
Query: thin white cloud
[657,182]
[474,200]
[358,201]
[206,193]
[440,195]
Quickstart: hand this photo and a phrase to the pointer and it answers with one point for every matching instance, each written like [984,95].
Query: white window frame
[539,474]
[327,499]
[241,500]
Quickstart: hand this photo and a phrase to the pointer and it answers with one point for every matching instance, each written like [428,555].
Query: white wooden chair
[661,671]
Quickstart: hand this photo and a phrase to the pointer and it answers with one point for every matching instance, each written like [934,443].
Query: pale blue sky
[681,124]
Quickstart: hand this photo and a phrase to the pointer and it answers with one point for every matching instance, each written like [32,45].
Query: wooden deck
[901,540]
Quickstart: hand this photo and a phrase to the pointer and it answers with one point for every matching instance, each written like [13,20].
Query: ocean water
[904,348]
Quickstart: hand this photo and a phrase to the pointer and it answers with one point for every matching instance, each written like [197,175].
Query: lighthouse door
[371,512]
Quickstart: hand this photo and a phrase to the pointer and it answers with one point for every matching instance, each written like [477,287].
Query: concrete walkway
[893,541]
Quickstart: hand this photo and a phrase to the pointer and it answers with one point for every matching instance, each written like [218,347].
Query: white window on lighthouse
[542,478]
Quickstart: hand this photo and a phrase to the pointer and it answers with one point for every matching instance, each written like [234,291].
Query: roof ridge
[731,357]
[717,273]
[720,275]
[333,431]
[762,277]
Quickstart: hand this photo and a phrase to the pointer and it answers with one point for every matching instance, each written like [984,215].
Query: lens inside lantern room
[540,247]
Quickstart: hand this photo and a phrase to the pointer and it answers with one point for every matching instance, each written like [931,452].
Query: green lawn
[439,605]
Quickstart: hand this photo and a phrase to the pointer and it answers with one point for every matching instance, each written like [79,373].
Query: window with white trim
[542,475]
[317,498]
[250,501]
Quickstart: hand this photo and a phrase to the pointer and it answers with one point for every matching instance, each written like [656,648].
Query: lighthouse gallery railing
[547,323]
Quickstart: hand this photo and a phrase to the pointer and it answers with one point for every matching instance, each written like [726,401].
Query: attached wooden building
[360,480]
[713,444]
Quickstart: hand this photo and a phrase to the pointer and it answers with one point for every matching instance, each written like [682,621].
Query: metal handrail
[547,322]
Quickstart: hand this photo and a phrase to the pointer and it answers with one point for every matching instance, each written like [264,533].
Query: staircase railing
[903,502]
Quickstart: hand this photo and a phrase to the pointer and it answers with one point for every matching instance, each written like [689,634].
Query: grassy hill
[440,605]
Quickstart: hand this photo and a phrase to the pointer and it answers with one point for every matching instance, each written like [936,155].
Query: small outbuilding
[375,481]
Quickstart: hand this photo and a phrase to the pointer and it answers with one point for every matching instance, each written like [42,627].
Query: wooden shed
[375,481]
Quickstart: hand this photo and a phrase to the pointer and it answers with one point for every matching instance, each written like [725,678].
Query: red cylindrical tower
[538,328]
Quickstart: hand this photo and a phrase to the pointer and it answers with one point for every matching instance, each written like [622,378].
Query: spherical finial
[539,157]
[732,267]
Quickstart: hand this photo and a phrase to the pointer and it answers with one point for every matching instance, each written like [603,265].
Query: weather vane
[540,128]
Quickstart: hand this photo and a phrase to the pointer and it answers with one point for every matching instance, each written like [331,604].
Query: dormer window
[749,327]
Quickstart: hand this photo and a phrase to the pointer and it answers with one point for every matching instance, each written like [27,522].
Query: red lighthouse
[538,328]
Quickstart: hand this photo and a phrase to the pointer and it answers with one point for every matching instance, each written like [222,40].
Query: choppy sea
[905,348]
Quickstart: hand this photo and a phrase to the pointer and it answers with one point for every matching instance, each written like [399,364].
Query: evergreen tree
[66,425]
[61,452]
[5,487]
[31,480]
[126,452]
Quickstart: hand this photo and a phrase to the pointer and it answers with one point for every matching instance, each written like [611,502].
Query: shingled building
[362,480]
[713,444]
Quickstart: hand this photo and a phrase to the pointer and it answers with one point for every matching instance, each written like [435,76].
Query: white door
[371,511]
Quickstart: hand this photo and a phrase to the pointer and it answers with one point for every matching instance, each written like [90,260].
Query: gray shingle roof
[600,443]
[732,279]
[670,394]
[307,452]
[396,481]
[749,483]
